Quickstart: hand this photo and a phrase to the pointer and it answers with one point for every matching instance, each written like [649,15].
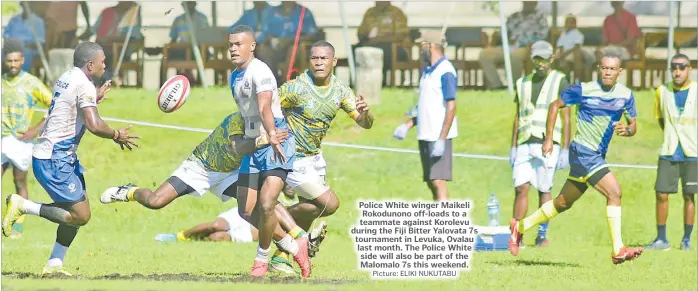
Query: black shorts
[255,181]
[668,174]
[440,168]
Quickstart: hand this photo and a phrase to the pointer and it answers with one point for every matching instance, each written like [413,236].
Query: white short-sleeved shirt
[245,85]
[568,39]
[65,123]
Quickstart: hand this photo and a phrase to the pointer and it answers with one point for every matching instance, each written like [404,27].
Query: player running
[311,102]
[55,162]
[600,107]
[21,93]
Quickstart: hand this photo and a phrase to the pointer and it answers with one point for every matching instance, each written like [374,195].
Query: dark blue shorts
[61,177]
[261,160]
[584,163]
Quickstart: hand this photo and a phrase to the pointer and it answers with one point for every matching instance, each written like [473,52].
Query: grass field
[116,250]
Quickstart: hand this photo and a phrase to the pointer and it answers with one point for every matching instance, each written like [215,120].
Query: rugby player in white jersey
[254,89]
[55,162]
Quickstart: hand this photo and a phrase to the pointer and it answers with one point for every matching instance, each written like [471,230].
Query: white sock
[262,254]
[31,207]
[57,255]
[288,244]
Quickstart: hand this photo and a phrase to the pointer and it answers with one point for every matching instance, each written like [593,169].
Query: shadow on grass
[546,263]
[185,277]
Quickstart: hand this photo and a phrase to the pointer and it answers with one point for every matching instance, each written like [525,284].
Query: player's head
[241,43]
[542,56]
[570,22]
[12,57]
[432,43]
[609,69]
[89,57]
[680,69]
[322,59]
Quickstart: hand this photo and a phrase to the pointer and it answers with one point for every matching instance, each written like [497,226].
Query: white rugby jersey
[245,85]
[65,123]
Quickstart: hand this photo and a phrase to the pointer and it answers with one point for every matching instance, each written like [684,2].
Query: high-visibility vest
[679,128]
[532,117]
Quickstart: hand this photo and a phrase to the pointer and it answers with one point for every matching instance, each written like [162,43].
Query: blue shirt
[254,18]
[448,80]
[597,111]
[19,29]
[278,25]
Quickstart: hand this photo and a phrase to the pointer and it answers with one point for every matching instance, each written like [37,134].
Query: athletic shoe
[282,265]
[315,238]
[658,244]
[259,269]
[516,237]
[686,245]
[166,237]
[541,242]
[115,194]
[302,256]
[626,254]
[50,270]
[13,212]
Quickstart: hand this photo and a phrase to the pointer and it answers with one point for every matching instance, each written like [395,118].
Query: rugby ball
[173,94]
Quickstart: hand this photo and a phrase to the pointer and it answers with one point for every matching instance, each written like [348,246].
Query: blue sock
[542,229]
[687,229]
[661,232]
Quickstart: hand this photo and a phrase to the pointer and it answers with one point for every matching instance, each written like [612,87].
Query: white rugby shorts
[239,229]
[308,177]
[193,173]
[531,167]
[17,152]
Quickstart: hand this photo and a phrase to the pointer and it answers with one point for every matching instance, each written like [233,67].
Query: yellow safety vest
[532,117]
[679,128]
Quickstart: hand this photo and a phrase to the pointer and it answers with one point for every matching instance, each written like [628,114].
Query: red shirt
[618,27]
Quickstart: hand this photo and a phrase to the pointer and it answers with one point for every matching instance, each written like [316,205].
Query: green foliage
[10,8]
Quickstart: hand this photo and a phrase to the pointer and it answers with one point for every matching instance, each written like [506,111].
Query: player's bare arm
[515,130]
[96,125]
[567,132]
[628,130]
[365,118]
[264,99]
[448,121]
[550,125]
[102,91]
[240,146]
[33,131]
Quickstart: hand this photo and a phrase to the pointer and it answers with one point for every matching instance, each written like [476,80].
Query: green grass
[119,238]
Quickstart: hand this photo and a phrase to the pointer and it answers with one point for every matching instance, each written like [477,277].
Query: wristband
[628,131]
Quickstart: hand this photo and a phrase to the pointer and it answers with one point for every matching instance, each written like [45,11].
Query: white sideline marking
[344,145]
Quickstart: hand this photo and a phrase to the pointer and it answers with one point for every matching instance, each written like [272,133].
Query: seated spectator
[523,28]
[279,33]
[254,18]
[570,39]
[383,25]
[180,32]
[62,23]
[112,26]
[620,33]
[20,28]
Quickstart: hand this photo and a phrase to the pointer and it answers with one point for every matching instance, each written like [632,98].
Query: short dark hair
[11,45]
[242,29]
[680,56]
[613,55]
[85,52]
[322,43]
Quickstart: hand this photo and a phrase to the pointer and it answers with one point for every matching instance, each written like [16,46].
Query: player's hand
[124,139]
[401,131]
[564,160]
[547,147]
[438,149]
[101,94]
[361,105]
[276,146]
[512,156]
[29,135]
[621,129]
[282,135]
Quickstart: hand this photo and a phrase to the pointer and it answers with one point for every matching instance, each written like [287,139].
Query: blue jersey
[597,111]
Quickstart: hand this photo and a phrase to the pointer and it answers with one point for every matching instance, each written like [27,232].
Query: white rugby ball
[173,94]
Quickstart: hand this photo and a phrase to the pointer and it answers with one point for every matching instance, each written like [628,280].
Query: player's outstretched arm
[96,125]
[364,118]
[550,125]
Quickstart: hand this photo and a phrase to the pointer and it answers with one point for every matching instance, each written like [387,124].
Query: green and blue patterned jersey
[310,109]
[213,151]
[20,96]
